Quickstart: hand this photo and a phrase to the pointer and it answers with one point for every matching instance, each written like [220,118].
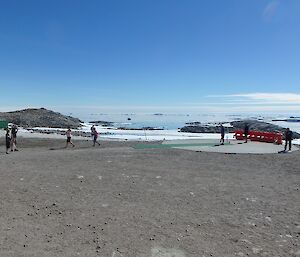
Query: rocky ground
[254,125]
[119,201]
[40,118]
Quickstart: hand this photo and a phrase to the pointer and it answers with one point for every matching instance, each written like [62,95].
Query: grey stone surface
[40,118]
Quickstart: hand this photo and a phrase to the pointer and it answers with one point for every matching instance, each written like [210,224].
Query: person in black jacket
[246,132]
[288,139]
[7,140]
[222,130]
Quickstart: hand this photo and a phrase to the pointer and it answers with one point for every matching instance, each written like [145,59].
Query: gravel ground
[117,201]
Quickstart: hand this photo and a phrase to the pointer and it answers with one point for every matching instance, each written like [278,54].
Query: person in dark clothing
[288,139]
[222,130]
[7,140]
[92,130]
[246,132]
[95,136]
[13,144]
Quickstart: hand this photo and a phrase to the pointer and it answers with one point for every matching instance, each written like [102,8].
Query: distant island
[290,119]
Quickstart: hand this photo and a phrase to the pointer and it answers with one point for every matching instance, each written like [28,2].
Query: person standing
[95,136]
[246,132]
[7,140]
[288,139]
[69,137]
[92,130]
[13,142]
[222,130]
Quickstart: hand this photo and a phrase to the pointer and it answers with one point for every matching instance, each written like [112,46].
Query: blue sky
[196,55]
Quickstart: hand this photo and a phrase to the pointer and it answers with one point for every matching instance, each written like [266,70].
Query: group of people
[11,139]
[94,134]
[288,136]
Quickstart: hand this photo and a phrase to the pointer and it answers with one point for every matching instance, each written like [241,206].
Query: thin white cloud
[284,98]
[257,102]
[270,10]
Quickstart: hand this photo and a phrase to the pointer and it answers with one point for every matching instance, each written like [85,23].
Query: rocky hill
[253,125]
[205,129]
[40,118]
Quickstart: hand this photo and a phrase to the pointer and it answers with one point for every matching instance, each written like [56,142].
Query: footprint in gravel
[166,252]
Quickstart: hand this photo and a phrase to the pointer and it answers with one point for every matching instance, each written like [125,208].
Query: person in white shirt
[69,137]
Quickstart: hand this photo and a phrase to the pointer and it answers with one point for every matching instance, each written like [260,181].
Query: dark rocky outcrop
[143,128]
[253,125]
[194,123]
[40,118]
[205,129]
[102,123]
[261,126]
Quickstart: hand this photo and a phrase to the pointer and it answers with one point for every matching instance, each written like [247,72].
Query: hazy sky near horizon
[194,55]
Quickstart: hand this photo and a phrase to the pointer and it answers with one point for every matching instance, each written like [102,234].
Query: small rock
[256,250]
[268,219]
